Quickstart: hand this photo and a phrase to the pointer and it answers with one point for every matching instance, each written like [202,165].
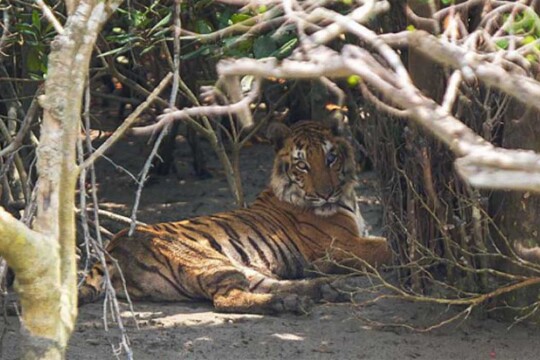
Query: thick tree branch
[34,259]
[520,87]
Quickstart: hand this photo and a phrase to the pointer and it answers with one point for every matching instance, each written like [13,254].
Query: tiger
[277,255]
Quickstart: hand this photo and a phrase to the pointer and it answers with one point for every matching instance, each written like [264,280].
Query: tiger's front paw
[336,294]
[344,289]
[295,304]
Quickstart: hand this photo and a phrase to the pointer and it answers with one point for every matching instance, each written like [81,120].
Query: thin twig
[50,16]
[165,130]
[117,134]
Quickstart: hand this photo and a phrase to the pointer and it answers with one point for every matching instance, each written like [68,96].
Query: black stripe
[99,269]
[283,229]
[265,239]
[234,239]
[135,285]
[314,227]
[152,269]
[174,273]
[197,221]
[261,253]
[189,237]
[171,228]
[200,250]
[199,283]
[262,238]
[243,255]
[288,242]
[351,232]
[255,286]
[176,284]
[218,279]
[276,224]
[345,207]
[213,243]
[157,227]
[229,231]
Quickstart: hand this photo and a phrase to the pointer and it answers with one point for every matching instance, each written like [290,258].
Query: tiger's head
[314,167]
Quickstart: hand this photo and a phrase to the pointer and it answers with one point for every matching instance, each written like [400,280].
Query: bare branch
[16,142]
[213,110]
[522,88]
[50,16]
[117,134]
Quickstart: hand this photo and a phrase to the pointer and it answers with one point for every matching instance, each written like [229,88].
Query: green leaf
[235,47]
[502,43]
[236,18]
[43,68]
[410,27]
[234,42]
[264,46]
[524,23]
[28,30]
[203,50]
[138,19]
[36,22]
[532,58]
[161,23]
[447,2]
[223,18]
[528,39]
[33,61]
[147,49]
[286,49]
[528,21]
[203,27]
[37,77]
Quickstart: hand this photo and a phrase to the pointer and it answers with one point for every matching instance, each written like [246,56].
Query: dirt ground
[330,331]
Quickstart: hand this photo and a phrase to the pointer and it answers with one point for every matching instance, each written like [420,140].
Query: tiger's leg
[244,301]
[324,288]
[229,289]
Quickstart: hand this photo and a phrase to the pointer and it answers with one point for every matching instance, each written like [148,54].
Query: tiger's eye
[302,166]
[330,158]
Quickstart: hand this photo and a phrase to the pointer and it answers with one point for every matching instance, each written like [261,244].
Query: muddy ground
[330,331]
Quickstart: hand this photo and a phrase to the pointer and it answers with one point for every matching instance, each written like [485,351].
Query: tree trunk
[44,259]
[516,213]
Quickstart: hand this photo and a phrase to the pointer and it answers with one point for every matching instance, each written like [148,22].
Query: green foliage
[270,44]
[138,29]
[142,29]
[527,25]
[502,43]
[526,22]
[34,35]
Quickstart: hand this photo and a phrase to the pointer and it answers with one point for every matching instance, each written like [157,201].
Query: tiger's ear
[277,133]
[335,120]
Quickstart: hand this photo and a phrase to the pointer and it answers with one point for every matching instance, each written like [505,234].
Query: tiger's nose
[326,193]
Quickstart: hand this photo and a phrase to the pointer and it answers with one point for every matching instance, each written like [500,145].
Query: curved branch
[522,88]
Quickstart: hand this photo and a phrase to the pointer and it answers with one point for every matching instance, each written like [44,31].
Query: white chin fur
[326,210]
